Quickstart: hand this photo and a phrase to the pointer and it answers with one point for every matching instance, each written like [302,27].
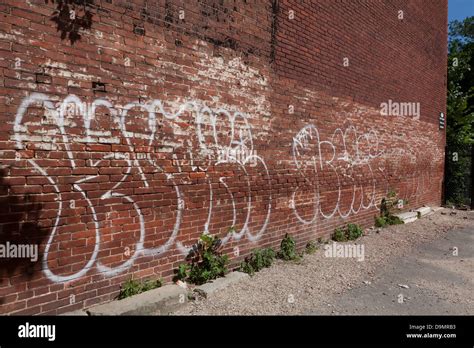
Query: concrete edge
[412,216]
[208,289]
[407,217]
[424,211]
[163,300]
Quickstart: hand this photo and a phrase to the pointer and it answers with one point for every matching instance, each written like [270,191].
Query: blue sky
[460,9]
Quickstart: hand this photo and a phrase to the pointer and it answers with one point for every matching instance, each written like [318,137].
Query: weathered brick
[269,122]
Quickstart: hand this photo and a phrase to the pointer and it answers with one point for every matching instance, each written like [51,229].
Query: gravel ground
[314,285]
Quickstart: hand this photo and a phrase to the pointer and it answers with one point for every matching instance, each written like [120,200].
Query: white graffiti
[149,177]
[357,165]
[73,125]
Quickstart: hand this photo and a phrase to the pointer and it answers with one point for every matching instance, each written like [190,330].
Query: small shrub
[339,235]
[387,208]
[129,288]
[311,247]
[288,249]
[206,261]
[350,232]
[389,203]
[394,220]
[354,231]
[182,272]
[380,221]
[132,287]
[259,259]
[151,284]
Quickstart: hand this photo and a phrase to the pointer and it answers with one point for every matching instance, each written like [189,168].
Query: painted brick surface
[129,128]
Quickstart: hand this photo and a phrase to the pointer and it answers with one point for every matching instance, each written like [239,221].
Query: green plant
[460,111]
[394,220]
[288,249]
[388,203]
[354,231]
[206,261]
[380,221]
[387,207]
[182,272]
[151,284]
[257,260]
[311,247]
[129,288]
[339,235]
[132,287]
[350,232]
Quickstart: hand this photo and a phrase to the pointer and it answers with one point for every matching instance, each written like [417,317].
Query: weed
[288,249]
[206,261]
[387,208]
[132,287]
[259,259]
[354,231]
[394,220]
[380,221]
[182,272]
[311,247]
[350,232]
[339,235]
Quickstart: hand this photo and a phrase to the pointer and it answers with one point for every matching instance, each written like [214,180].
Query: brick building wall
[129,128]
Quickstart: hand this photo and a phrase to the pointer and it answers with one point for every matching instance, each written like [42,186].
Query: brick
[122,174]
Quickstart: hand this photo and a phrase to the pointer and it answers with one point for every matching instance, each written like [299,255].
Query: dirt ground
[425,267]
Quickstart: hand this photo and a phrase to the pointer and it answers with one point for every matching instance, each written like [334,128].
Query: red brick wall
[116,119]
